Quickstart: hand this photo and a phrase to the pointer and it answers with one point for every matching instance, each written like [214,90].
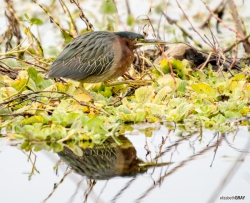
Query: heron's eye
[138,39]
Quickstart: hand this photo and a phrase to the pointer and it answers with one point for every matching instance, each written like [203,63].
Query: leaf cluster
[33,109]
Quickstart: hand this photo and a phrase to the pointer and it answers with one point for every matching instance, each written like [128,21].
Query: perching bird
[98,56]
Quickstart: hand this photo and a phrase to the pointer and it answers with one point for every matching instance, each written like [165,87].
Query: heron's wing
[89,54]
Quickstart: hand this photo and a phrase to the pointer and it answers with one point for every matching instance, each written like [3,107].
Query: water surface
[199,165]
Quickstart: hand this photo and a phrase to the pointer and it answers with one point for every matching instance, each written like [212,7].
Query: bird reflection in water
[105,161]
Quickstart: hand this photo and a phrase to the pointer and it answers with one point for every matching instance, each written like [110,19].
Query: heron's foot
[129,76]
[129,82]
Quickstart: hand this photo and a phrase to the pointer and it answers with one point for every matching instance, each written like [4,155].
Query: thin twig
[25,61]
[238,25]
[71,21]
[56,92]
[221,21]
[171,21]
[207,60]
[191,158]
[231,172]
[216,9]
[56,185]
[235,43]
[204,40]
[82,16]
[53,20]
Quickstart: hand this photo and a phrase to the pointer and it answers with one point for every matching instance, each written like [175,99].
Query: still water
[169,166]
[205,166]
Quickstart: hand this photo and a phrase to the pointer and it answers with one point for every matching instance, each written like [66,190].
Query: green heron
[98,56]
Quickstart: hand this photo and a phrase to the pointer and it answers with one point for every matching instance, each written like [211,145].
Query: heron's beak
[144,42]
[150,41]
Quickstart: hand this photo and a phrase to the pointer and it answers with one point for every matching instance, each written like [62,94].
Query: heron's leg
[129,82]
[81,86]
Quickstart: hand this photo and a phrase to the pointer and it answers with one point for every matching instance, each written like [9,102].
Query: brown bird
[98,56]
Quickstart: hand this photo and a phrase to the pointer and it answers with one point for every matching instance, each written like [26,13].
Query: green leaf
[84,119]
[130,19]
[182,86]
[203,88]
[18,84]
[28,130]
[107,92]
[200,75]
[219,119]
[33,119]
[126,117]
[77,125]
[6,92]
[158,8]
[45,132]
[239,76]
[26,16]
[70,118]
[77,150]
[161,95]
[232,114]
[124,109]
[96,125]
[144,94]
[5,111]
[206,110]
[36,21]
[32,85]
[117,140]
[41,146]
[154,109]
[67,37]
[26,146]
[33,74]
[108,7]
[46,83]
[179,113]
[181,68]
[56,147]
[140,115]
[58,116]
[58,132]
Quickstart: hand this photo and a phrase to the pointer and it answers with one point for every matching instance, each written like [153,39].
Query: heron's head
[135,40]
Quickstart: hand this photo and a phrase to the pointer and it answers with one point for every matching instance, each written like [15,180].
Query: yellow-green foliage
[35,109]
